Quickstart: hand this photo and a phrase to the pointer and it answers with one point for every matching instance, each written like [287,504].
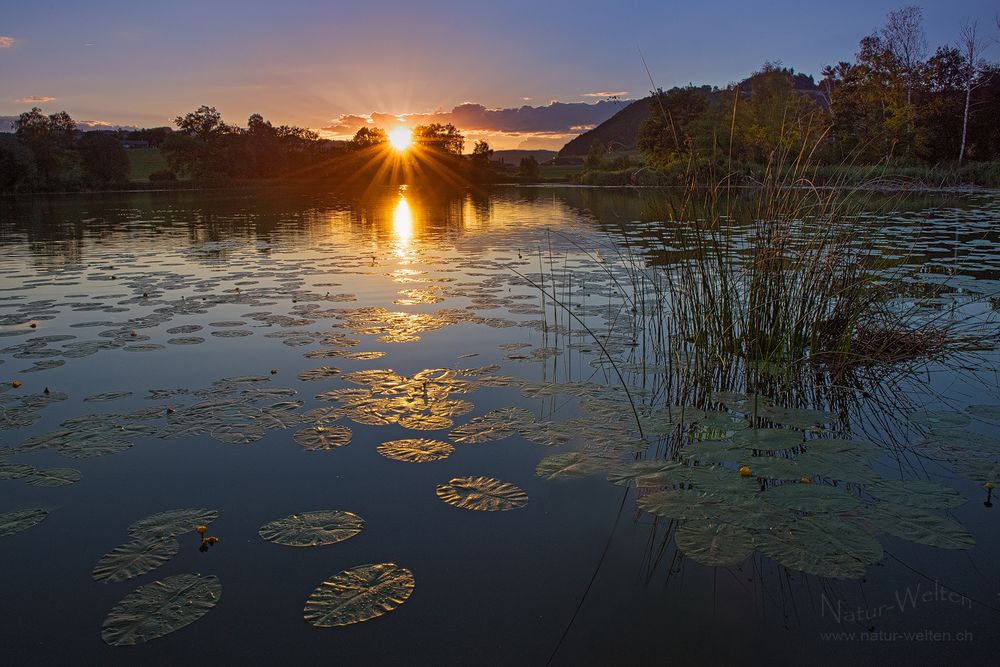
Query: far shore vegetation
[896,116]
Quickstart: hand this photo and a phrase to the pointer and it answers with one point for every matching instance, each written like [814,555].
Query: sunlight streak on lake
[402,222]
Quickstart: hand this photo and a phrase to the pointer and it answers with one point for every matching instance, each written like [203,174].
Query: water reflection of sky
[510,580]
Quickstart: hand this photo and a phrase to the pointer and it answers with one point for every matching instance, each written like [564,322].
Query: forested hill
[622,128]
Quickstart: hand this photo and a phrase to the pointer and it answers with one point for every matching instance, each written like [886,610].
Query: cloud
[605,93]
[40,99]
[6,42]
[556,118]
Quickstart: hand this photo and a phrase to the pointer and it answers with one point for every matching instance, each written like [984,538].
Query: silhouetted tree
[529,167]
[18,171]
[103,159]
[971,46]
[50,139]
[367,137]
[444,138]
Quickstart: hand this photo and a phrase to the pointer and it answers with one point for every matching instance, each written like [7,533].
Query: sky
[332,65]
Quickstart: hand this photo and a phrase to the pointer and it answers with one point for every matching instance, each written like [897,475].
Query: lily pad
[826,546]
[313,529]
[916,493]
[159,608]
[93,448]
[569,464]
[811,498]
[681,504]
[318,373]
[15,522]
[54,477]
[15,470]
[320,438]
[991,412]
[714,544]
[237,434]
[482,494]
[359,594]
[424,422]
[135,558]
[171,523]
[415,450]
[768,439]
[794,417]
[921,526]
[939,418]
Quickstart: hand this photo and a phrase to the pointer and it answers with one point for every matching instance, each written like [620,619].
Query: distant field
[143,162]
[562,171]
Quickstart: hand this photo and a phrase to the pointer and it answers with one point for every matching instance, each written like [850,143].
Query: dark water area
[187,325]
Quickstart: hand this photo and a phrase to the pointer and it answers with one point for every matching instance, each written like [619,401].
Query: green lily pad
[991,412]
[159,608]
[312,529]
[750,511]
[15,522]
[15,470]
[714,544]
[359,594]
[916,493]
[773,467]
[566,465]
[630,472]
[686,504]
[811,498]
[768,439]
[794,417]
[54,477]
[939,418]
[93,448]
[135,558]
[822,545]
[237,434]
[921,525]
[709,452]
[857,448]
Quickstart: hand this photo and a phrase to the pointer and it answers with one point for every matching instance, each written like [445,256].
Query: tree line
[47,152]
[895,103]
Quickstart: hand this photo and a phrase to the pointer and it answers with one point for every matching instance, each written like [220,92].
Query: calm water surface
[171,332]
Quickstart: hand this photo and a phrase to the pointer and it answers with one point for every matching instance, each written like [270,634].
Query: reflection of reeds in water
[762,290]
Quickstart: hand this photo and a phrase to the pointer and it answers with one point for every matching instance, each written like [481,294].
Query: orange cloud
[6,42]
[40,99]
[604,93]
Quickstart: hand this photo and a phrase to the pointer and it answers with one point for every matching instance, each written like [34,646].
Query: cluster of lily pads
[751,476]
[735,475]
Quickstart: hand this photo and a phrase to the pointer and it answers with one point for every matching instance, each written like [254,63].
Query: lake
[468,392]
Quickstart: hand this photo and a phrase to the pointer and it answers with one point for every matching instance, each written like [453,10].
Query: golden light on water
[402,221]
[400,138]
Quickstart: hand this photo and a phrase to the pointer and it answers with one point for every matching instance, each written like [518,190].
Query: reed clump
[780,275]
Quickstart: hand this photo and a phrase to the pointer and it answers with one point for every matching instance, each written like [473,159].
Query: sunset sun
[400,138]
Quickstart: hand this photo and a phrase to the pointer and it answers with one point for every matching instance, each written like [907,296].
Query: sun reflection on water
[402,222]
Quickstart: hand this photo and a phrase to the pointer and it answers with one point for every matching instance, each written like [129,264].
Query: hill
[619,130]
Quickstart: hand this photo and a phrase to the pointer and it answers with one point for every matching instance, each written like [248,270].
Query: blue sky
[310,63]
